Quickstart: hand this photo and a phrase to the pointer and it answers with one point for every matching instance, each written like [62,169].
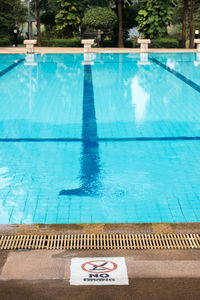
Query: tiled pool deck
[153,274]
[100,228]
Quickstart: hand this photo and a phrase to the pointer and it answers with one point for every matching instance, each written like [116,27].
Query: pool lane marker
[133,139]
[98,271]
[6,70]
[90,159]
[177,74]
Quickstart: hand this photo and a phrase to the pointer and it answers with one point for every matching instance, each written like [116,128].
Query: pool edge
[100,228]
[59,50]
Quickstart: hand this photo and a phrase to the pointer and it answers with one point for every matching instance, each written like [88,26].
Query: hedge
[110,44]
[20,39]
[160,43]
[76,42]
[72,42]
[7,41]
[165,43]
[114,44]
[4,41]
[135,44]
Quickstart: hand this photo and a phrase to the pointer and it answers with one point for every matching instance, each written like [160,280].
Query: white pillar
[87,45]
[197,41]
[144,44]
[30,45]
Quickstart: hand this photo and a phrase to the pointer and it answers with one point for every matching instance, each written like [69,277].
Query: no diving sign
[98,271]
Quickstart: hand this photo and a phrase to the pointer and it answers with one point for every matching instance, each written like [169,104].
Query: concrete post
[144,44]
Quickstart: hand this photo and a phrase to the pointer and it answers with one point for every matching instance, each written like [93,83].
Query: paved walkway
[153,274]
[7,50]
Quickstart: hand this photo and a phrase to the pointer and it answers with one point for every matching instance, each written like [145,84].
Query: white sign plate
[98,271]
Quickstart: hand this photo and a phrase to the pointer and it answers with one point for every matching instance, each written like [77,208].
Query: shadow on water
[90,160]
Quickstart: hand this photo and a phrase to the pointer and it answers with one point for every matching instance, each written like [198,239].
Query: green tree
[180,17]
[127,11]
[197,15]
[100,18]
[154,17]
[12,13]
[129,17]
[120,22]
[93,3]
[194,19]
[49,10]
[186,14]
[191,24]
[184,22]
[37,4]
[68,17]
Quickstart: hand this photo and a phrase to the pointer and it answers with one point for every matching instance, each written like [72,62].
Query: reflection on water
[102,180]
[144,59]
[140,99]
[171,63]
[5,179]
[30,60]
[35,98]
[197,61]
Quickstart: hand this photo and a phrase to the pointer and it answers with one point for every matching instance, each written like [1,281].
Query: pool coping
[100,228]
[62,50]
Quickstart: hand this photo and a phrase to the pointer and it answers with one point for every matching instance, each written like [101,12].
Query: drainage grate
[100,241]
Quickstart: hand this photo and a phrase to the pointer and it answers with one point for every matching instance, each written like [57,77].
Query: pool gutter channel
[100,241]
[131,236]
[145,239]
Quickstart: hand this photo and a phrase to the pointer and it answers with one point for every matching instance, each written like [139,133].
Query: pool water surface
[100,138]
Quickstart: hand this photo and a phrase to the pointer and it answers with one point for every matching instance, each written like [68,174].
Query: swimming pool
[100,138]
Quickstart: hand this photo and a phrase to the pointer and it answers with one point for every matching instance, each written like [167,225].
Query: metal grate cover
[100,241]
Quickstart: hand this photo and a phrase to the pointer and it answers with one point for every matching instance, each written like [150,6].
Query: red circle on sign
[101,264]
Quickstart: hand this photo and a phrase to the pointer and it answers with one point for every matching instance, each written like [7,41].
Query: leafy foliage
[165,43]
[68,17]
[100,18]
[94,3]
[154,17]
[49,10]
[12,13]
[129,17]
[160,43]
[111,44]
[71,42]
[197,14]
[4,41]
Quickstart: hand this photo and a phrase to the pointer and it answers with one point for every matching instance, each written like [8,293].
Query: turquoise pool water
[111,138]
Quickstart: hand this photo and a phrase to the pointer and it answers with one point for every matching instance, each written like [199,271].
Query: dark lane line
[90,160]
[97,140]
[177,74]
[6,70]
